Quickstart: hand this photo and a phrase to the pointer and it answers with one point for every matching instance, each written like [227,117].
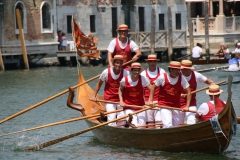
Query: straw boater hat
[175,64]
[152,57]
[214,90]
[186,64]
[123,27]
[119,57]
[136,65]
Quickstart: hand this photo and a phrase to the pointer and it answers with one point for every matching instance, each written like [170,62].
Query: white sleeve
[199,77]
[200,49]
[203,109]
[145,81]
[160,81]
[162,71]
[104,76]
[122,82]
[133,46]
[126,73]
[184,83]
[111,46]
[143,73]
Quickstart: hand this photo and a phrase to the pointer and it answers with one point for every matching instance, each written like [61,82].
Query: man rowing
[152,73]
[211,108]
[112,76]
[123,46]
[193,79]
[171,86]
[131,92]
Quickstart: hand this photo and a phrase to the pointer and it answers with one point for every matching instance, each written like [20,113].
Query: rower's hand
[185,109]
[183,95]
[150,103]
[93,98]
[122,104]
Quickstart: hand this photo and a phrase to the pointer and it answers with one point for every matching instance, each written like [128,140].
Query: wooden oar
[209,69]
[234,82]
[50,98]
[49,143]
[61,122]
[184,56]
[201,89]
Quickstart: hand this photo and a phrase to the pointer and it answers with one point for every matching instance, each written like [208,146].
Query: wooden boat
[198,137]
[210,61]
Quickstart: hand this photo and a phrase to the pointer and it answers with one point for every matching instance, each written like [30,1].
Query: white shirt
[104,75]
[64,41]
[196,52]
[145,81]
[112,45]
[237,50]
[161,81]
[204,109]
[199,77]
[152,74]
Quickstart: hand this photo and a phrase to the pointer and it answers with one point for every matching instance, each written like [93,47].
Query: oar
[49,143]
[60,122]
[234,82]
[201,89]
[209,69]
[184,56]
[50,98]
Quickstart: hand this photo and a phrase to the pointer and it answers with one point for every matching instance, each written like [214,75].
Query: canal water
[20,89]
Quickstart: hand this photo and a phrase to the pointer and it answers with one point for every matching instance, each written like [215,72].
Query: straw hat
[175,64]
[214,90]
[119,57]
[123,27]
[136,65]
[152,57]
[186,64]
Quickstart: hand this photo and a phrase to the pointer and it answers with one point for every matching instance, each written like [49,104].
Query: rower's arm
[110,59]
[137,55]
[189,96]
[120,93]
[152,90]
[197,116]
[209,81]
[97,88]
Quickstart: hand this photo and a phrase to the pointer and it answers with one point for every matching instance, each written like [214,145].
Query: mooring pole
[24,51]
[170,40]
[152,44]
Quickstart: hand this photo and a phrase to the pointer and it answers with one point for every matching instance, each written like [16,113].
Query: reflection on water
[22,89]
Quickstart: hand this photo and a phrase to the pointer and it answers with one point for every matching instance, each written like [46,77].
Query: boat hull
[198,137]
[210,61]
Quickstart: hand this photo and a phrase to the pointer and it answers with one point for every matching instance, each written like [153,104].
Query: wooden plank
[1,62]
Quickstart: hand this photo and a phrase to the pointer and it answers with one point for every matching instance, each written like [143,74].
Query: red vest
[211,107]
[193,86]
[157,89]
[169,95]
[133,95]
[111,87]
[126,53]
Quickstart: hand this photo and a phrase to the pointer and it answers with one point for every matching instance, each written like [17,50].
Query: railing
[143,39]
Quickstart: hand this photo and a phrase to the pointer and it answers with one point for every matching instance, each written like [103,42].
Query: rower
[214,106]
[193,79]
[152,73]
[171,86]
[131,93]
[197,52]
[112,76]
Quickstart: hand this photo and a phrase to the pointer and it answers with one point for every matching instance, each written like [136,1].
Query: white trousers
[112,107]
[190,117]
[171,118]
[153,116]
[138,119]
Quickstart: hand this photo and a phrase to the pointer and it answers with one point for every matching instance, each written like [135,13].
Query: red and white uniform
[193,80]
[133,94]
[152,115]
[206,110]
[170,93]
[126,49]
[112,83]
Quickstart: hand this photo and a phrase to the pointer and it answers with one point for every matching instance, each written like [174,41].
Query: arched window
[22,10]
[46,17]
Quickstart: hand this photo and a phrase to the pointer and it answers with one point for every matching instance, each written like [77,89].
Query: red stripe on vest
[126,53]
[111,87]
[157,89]
[169,95]
[193,86]
[133,95]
